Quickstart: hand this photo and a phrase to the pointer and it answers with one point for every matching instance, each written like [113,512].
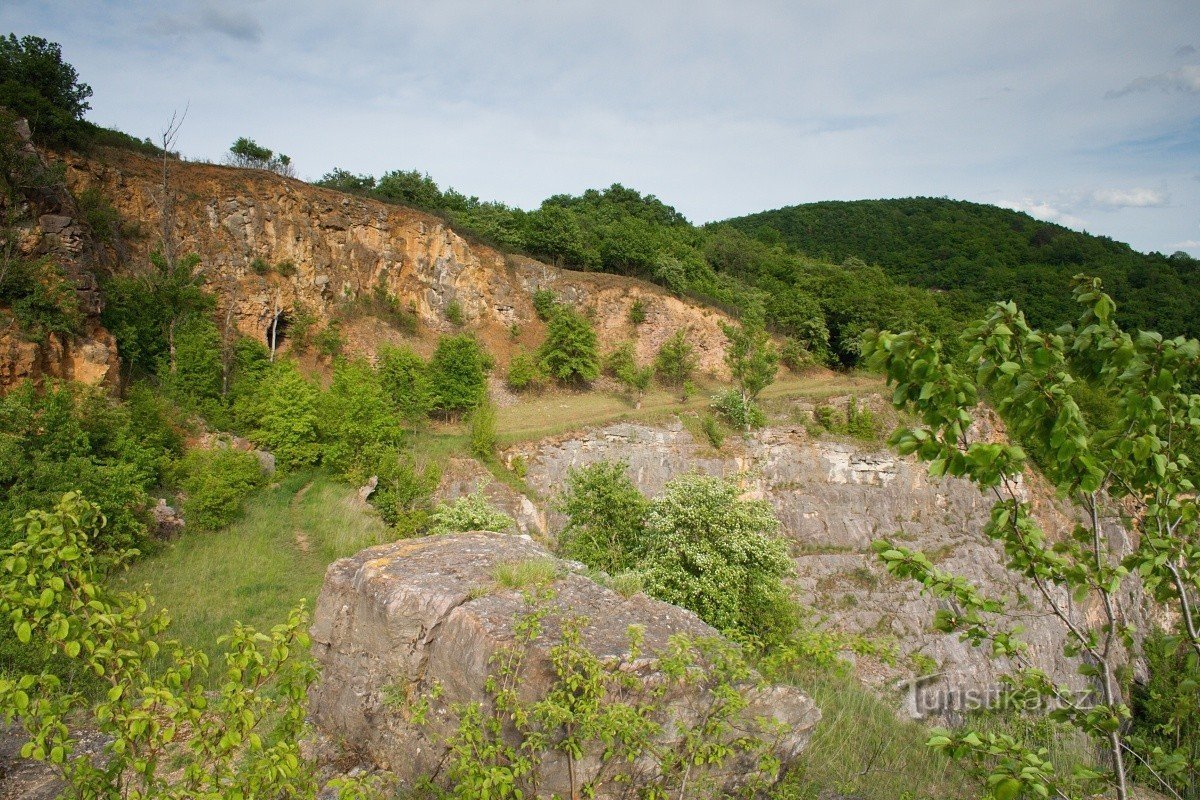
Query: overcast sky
[1084,113]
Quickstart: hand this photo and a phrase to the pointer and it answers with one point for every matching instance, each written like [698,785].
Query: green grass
[260,567]
[520,574]
[559,412]
[862,748]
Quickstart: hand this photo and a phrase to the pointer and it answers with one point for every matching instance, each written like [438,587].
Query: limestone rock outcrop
[833,498]
[398,620]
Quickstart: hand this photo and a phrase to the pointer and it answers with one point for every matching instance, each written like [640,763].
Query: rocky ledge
[405,634]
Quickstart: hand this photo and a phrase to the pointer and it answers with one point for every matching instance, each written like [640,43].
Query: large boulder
[406,632]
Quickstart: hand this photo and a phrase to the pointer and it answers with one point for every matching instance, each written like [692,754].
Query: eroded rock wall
[344,247]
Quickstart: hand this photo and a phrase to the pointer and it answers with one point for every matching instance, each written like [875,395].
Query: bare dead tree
[170,134]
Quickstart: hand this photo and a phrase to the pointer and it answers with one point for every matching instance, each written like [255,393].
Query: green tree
[404,375]
[1138,465]
[524,372]
[458,375]
[752,360]
[195,380]
[622,366]
[676,361]
[605,513]
[483,431]
[357,423]
[282,414]
[569,352]
[709,551]
[37,84]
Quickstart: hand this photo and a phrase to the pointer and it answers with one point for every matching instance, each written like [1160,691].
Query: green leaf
[24,632]
[1007,789]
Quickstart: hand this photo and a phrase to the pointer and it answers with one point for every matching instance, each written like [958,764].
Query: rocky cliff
[343,248]
[45,222]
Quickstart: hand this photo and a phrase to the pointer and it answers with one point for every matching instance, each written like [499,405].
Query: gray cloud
[1185,79]
[210,17]
[1185,50]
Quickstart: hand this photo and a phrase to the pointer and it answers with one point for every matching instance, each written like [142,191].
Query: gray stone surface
[833,498]
[400,619]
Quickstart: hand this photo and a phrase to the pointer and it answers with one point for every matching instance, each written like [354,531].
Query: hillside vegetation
[978,254]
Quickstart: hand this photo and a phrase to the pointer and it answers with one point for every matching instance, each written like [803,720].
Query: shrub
[471,512]
[483,431]
[66,436]
[216,483]
[239,740]
[328,340]
[675,362]
[42,300]
[637,312]
[738,410]
[454,313]
[860,420]
[259,266]
[524,372]
[404,375]
[795,356]
[194,379]
[358,428]
[281,414]
[286,269]
[569,352]
[712,430]
[604,517]
[403,493]
[710,551]
[458,375]
[544,304]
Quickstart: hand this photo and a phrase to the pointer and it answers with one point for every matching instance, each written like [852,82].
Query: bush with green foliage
[458,375]
[712,431]
[249,154]
[708,550]
[621,364]
[357,424]
[483,431]
[752,360]
[545,302]
[167,736]
[676,361]
[524,372]
[605,513]
[569,353]
[41,299]
[732,405]
[454,313]
[329,341]
[215,485]
[637,312]
[403,493]
[1164,710]
[795,356]
[470,512]
[67,436]
[404,375]
[282,413]
[191,373]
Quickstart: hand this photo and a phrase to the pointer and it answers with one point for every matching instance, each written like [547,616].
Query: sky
[1081,113]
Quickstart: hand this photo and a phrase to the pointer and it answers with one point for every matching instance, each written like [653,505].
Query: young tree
[524,372]
[752,360]
[622,366]
[281,414]
[569,352]
[405,377]
[458,375]
[1139,464]
[605,513]
[357,423]
[676,361]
